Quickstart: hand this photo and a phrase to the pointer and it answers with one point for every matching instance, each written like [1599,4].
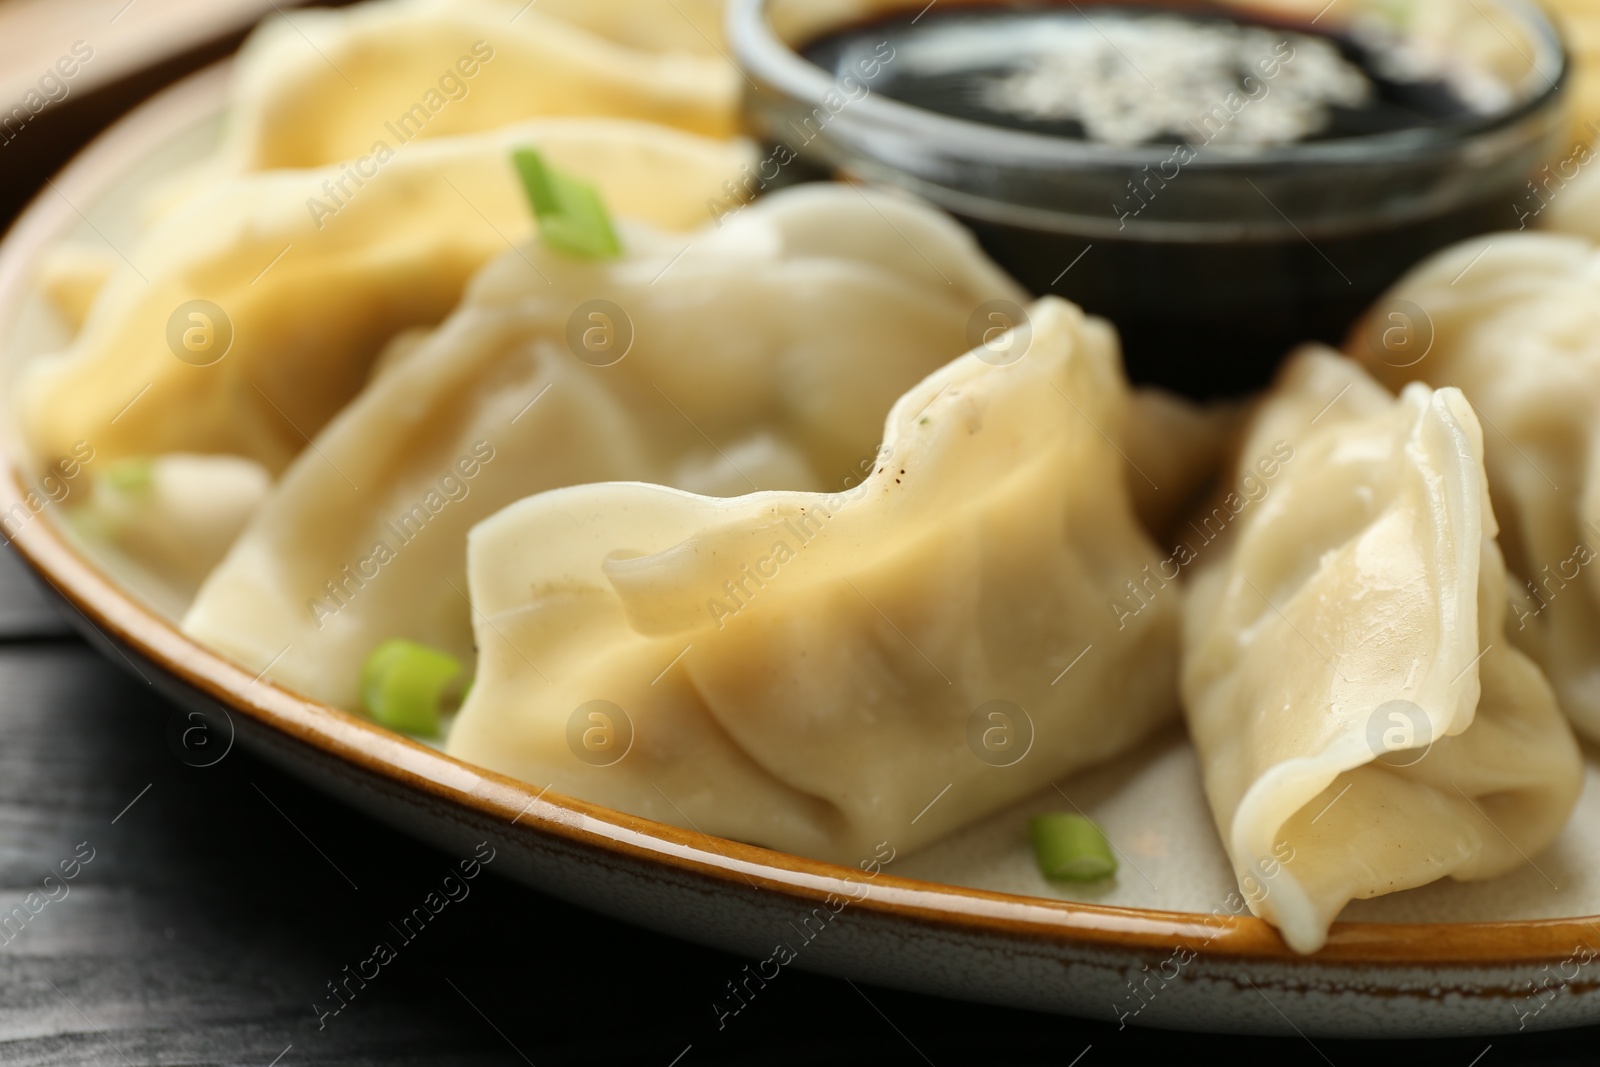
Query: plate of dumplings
[784,577]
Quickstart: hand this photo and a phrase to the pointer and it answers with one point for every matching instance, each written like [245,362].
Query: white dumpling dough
[1514,323]
[162,524]
[1355,614]
[1580,19]
[690,26]
[804,670]
[317,86]
[311,297]
[1175,450]
[71,275]
[1575,208]
[765,352]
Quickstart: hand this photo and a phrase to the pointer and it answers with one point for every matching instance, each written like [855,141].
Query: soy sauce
[1314,248]
[957,59]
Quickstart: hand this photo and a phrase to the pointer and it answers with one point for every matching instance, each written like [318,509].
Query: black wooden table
[211,906]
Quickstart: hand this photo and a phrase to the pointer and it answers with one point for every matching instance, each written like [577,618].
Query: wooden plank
[25,610]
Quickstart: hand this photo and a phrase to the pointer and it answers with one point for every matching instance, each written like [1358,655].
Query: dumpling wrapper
[1580,19]
[1175,450]
[1575,208]
[312,299]
[808,671]
[319,86]
[694,27]
[1514,323]
[160,525]
[1357,614]
[71,275]
[765,352]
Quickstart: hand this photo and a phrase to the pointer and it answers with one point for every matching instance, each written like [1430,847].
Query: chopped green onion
[131,476]
[403,683]
[1070,848]
[572,217]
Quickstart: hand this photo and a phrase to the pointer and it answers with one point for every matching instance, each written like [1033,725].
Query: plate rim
[442,779]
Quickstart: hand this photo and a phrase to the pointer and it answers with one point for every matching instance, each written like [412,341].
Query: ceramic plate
[1164,944]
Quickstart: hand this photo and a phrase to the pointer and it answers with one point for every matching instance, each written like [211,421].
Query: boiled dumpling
[817,672]
[72,274]
[1175,451]
[1362,723]
[689,26]
[758,353]
[1575,207]
[1565,194]
[254,312]
[161,524]
[1581,21]
[320,86]
[1513,320]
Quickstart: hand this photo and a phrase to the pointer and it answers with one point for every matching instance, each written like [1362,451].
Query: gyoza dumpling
[817,672]
[1571,184]
[71,275]
[1575,207]
[1362,722]
[319,86]
[1175,450]
[758,354]
[160,525]
[1513,321]
[1581,21]
[688,26]
[310,285]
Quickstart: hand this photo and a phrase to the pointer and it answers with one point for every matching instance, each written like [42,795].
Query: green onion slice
[572,216]
[131,476]
[403,684]
[1070,848]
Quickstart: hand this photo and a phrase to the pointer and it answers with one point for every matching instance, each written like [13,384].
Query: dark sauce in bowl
[935,72]
[1220,185]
